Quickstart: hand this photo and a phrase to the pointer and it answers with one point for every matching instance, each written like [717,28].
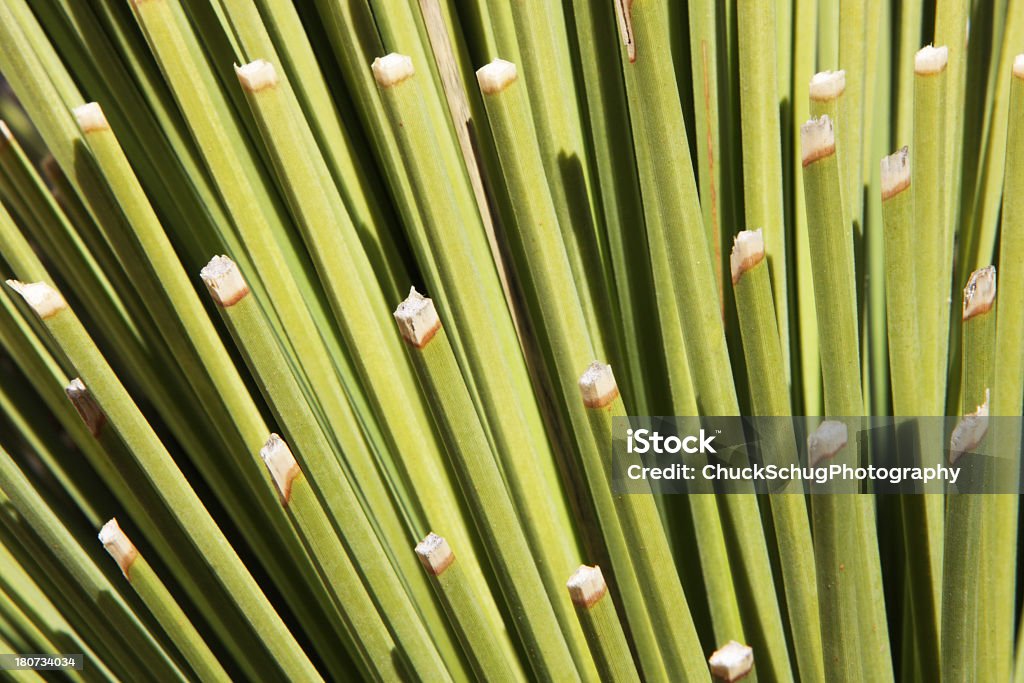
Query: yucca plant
[216,221]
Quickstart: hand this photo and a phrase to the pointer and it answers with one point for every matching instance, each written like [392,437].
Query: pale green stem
[832,251]
[679,247]
[1009,383]
[762,144]
[984,52]
[784,11]
[770,397]
[466,113]
[322,465]
[849,575]
[967,567]
[930,189]
[365,628]
[908,19]
[135,495]
[877,89]
[30,419]
[352,28]
[829,96]
[722,600]
[600,622]
[638,515]
[469,294]
[34,611]
[65,248]
[462,604]
[979,224]
[561,319]
[27,675]
[619,193]
[167,479]
[118,630]
[951,28]
[512,559]
[850,128]
[901,282]
[671,207]
[999,530]
[922,514]
[828,34]
[703,16]
[200,351]
[139,347]
[550,80]
[272,30]
[805,27]
[878,112]
[161,604]
[680,398]
[276,260]
[930,130]
[355,298]
[197,347]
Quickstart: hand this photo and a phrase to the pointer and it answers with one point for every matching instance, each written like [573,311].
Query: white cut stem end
[392,69]
[980,292]
[5,132]
[732,661]
[280,461]
[224,281]
[817,139]
[747,252]
[417,319]
[496,76]
[119,546]
[827,85]
[586,586]
[90,412]
[257,75]
[931,60]
[41,297]
[828,439]
[969,432]
[91,118]
[597,385]
[895,173]
[1018,66]
[434,554]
